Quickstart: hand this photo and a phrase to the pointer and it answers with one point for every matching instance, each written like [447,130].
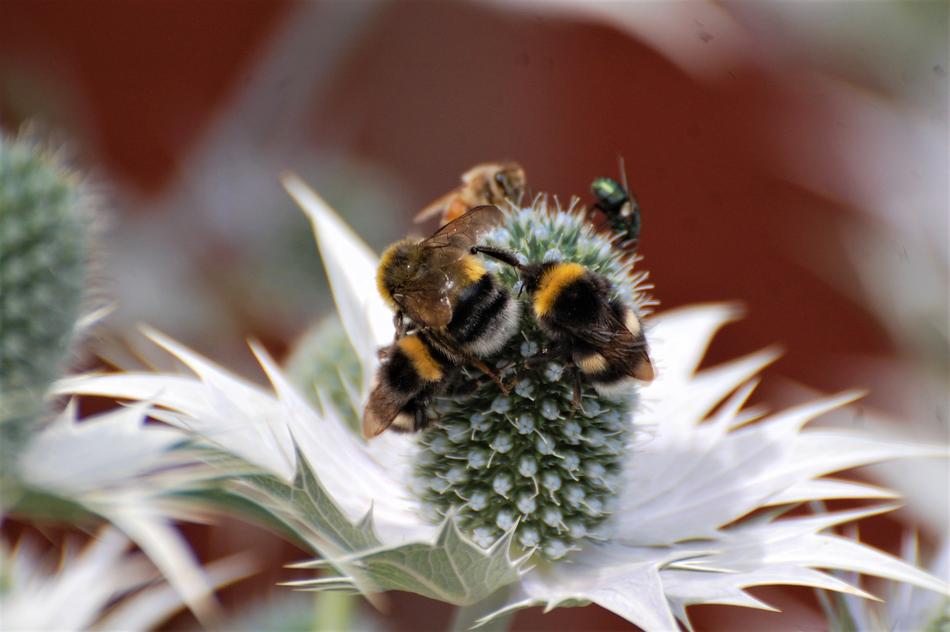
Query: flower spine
[536,460]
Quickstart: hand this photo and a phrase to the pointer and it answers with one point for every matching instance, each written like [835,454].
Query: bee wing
[380,412]
[427,301]
[436,207]
[428,304]
[375,423]
[614,340]
[456,208]
[461,234]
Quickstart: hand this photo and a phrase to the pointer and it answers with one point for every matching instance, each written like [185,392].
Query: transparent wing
[458,236]
[429,305]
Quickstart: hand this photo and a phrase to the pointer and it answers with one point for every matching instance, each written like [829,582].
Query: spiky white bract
[365,317]
[116,466]
[681,533]
[103,586]
[904,606]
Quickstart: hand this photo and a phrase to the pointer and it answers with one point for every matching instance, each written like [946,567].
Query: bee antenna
[505,256]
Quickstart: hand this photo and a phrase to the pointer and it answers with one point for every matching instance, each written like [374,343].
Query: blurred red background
[423,90]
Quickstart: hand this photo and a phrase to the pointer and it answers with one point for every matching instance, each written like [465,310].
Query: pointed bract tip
[303,194]
[289,179]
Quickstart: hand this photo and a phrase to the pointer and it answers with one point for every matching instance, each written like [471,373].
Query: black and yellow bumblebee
[459,313]
[574,307]
[410,373]
[620,208]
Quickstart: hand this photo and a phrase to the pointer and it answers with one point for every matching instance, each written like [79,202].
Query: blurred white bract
[104,586]
[685,526]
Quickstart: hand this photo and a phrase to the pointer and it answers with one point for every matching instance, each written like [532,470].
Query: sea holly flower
[645,504]
[545,459]
[904,606]
[103,586]
[115,466]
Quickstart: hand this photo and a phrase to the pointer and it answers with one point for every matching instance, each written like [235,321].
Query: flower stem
[334,611]
[466,617]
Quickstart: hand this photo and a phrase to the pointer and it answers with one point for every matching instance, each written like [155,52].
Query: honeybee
[573,306]
[457,312]
[620,208]
[487,183]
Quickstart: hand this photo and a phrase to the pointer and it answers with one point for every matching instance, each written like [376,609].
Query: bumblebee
[487,183]
[573,306]
[443,289]
[457,312]
[412,370]
[620,208]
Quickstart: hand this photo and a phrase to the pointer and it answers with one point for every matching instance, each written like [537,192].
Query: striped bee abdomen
[485,317]
[573,305]
[413,363]
[616,374]
[412,369]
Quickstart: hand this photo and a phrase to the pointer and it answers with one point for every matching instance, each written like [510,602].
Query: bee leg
[578,392]
[421,420]
[481,366]
[400,324]
[555,349]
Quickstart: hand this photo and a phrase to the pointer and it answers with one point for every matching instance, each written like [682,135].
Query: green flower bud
[478,500]
[478,458]
[525,423]
[323,361]
[45,219]
[527,465]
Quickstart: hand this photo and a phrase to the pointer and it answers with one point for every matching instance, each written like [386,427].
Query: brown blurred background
[745,129]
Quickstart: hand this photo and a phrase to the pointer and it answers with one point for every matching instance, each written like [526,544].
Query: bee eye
[398,297]
[502,180]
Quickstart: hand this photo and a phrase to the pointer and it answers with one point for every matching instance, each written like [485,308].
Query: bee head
[398,266]
[531,277]
[509,181]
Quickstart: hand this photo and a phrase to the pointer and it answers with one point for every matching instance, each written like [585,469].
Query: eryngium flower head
[685,529]
[546,458]
[45,211]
